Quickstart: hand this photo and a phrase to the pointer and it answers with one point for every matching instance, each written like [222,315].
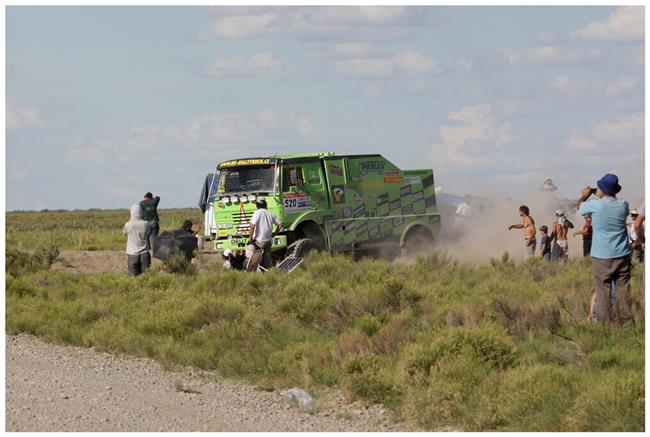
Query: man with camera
[610,250]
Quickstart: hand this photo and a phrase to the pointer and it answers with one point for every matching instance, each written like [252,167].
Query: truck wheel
[418,240]
[300,248]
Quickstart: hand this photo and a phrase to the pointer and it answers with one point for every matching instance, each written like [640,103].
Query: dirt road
[65,388]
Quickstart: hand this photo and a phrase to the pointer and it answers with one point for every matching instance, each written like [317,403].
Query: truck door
[303,187]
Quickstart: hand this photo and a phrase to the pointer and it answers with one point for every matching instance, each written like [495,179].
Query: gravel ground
[65,388]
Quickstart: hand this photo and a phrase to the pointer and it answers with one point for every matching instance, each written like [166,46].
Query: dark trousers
[607,272]
[586,246]
[137,264]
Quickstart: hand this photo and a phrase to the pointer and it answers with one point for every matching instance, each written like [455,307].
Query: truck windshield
[247,180]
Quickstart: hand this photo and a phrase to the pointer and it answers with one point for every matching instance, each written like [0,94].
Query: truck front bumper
[240,243]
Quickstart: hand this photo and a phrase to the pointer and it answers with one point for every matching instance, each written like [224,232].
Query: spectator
[137,243]
[262,230]
[545,243]
[528,226]
[560,227]
[640,232]
[637,250]
[610,250]
[586,233]
[464,208]
[150,213]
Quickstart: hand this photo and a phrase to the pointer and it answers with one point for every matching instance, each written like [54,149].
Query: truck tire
[417,240]
[300,248]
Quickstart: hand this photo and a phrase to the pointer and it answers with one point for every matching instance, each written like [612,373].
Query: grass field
[503,346]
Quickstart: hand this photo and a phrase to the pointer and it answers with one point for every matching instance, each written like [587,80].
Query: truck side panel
[378,202]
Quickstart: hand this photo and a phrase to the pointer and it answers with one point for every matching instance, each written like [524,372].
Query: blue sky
[106,103]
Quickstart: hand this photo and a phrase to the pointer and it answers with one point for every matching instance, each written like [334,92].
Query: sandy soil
[88,261]
[64,388]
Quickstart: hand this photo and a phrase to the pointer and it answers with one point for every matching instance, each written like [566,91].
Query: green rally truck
[339,203]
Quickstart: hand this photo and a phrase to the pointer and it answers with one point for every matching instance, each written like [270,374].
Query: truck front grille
[241,222]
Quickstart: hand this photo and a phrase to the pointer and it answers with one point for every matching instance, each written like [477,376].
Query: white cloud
[346,51]
[580,143]
[240,27]
[259,64]
[21,117]
[410,63]
[561,83]
[622,130]
[626,23]
[358,23]
[546,37]
[475,140]
[84,155]
[463,64]
[548,55]
[414,63]
[622,133]
[622,86]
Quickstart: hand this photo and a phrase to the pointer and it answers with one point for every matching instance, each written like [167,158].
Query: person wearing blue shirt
[610,249]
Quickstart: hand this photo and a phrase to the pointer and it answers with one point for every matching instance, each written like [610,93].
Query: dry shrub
[368,377]
[351,342]
[464,316]
[614,402]
[519,318]
[390,338]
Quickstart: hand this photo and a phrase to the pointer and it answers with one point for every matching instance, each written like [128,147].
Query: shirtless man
[528,226]
[560,229]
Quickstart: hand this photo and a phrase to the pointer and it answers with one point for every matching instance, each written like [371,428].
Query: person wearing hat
[560,229]
[610,250]
[262,223]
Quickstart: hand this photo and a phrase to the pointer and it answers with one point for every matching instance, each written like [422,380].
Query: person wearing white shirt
[464,209]
[262,230]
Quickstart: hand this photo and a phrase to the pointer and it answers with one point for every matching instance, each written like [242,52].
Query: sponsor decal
[393,180]
[224,226]
[363,227]
[339,193]
[359,211]
[357,197]
[371,167]
[405,190]
[357,178]
[382,198]
[347,212]
[394,204]
[243,162]
[371,185]
[410,180]
[297,201]
[391,173]
[313,177]
[335,169]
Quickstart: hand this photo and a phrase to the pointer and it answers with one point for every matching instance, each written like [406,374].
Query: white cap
[634,212]
[260,199]
[559,213]
[227,252]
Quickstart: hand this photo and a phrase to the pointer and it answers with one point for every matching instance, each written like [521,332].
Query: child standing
[545,242]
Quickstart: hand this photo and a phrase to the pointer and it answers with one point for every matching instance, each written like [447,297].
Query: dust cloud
[481,237]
